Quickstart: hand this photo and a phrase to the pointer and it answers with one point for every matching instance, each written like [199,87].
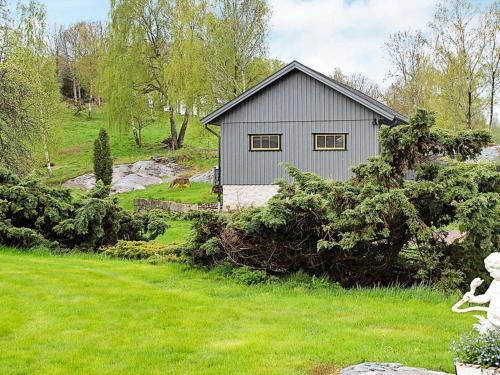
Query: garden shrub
[377,227]
[33,214]
[103,164]
[475,349]
[204,247]
[248,276]
[140,250]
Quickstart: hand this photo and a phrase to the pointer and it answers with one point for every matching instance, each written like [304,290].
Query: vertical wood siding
[296,106]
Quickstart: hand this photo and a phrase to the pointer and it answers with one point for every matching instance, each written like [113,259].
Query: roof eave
[304,69]
[207,119]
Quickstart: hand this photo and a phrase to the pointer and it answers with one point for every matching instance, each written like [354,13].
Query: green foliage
[29,90]
[140,250]
[482,350]
[248,276]
[376,227]
[203,246]
[33,214]
[75,153]
[103,165]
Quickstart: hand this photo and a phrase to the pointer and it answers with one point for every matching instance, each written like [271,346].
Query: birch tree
[29,92]
[360,82]
[237,40]
[33,35]
[411,71]
[460,46]
[492,56]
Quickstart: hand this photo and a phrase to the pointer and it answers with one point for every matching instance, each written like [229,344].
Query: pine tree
[103,165]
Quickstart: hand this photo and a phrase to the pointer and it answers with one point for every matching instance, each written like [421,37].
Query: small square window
[340,142]
[265,142]
[256,142]
[330,141]
[320,141]
[274,141]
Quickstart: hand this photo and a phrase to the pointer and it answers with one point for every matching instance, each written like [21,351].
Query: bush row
[377,227]
[33,214]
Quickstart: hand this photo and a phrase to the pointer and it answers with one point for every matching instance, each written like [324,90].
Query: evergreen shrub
[377,228]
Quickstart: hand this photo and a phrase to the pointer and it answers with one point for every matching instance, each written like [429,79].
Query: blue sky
[70,11]
[323,34]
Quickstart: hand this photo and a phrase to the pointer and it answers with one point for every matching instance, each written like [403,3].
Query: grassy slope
[176,234]
[74,156]
[83,314]
[198,192]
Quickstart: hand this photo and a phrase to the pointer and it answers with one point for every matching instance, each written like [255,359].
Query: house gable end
[297,97]
[297,88]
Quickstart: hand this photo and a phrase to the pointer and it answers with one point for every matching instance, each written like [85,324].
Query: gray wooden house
[299,116]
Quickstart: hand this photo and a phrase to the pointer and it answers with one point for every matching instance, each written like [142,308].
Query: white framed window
[265,142]
[330,141]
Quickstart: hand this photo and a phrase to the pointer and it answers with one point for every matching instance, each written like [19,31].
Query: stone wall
[240,196]
[141,205]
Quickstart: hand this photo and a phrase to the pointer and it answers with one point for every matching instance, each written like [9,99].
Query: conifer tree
[103,165]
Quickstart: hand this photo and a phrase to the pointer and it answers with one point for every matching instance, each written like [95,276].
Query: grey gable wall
[295,106]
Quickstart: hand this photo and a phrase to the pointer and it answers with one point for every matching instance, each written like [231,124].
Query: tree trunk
[173,129]
[492,99]
[75,94]
[50,173]
[469,109]
[136,132]
[182,133]
[89,113]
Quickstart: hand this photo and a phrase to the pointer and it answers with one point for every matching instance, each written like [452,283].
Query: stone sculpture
[492,296]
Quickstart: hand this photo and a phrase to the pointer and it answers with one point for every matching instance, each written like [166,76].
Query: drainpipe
[219,186]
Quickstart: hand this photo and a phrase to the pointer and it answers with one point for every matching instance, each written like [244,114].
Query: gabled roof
[386,112]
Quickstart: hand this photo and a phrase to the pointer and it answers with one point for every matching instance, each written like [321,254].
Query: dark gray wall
[295,106]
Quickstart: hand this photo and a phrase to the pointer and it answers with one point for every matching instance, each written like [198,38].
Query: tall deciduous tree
[411,71]
[460,44]
[237,40]
[492,56]
[140,42]
[187,63]
[79,49]
[360,82]
[34,36]
[29,91]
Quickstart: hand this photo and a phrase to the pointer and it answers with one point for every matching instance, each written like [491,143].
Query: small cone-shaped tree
[103,165]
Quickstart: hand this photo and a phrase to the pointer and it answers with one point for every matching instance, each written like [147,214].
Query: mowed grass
[176,234]
[82,314]
[198,192]
[178,230]
[73,156]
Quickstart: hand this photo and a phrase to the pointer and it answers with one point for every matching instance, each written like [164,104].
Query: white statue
[492,296]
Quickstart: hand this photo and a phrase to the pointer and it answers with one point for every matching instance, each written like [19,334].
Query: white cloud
[328,33]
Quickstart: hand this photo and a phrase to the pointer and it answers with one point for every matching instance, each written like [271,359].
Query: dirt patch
[324,369]
[70,150]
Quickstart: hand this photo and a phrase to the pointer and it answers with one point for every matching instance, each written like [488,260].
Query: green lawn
[198,192]
[73,156]
[81,314]
[176,234]
[178,230]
